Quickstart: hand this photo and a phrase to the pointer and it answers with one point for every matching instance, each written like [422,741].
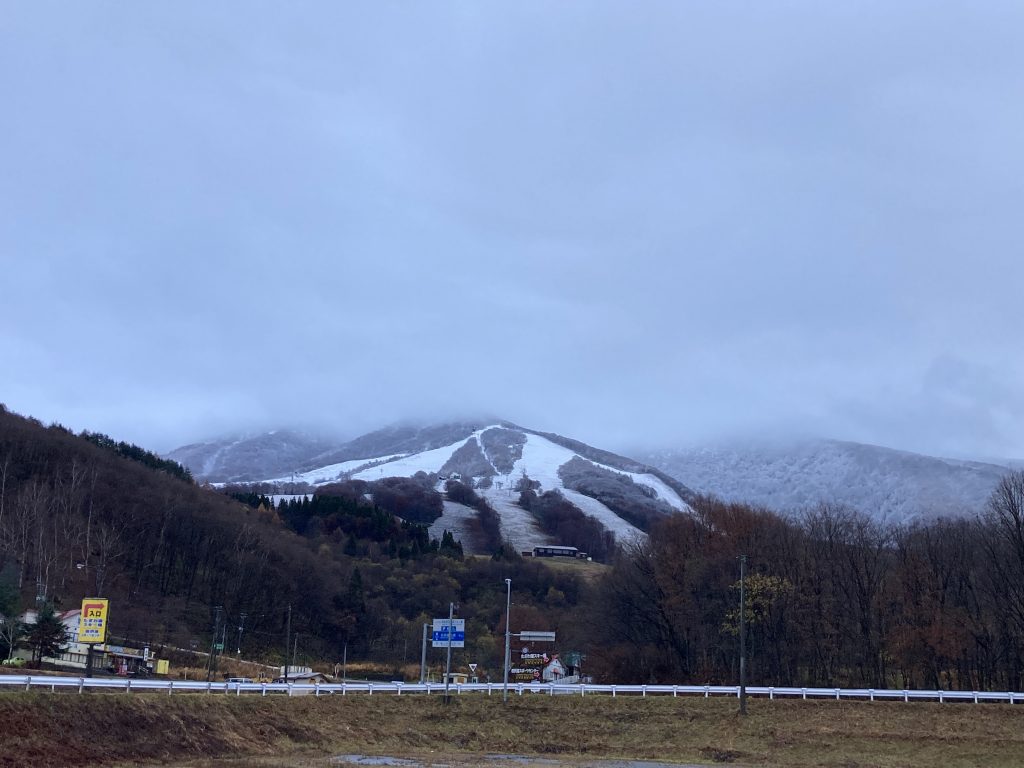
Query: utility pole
[344,663]
[423,656]
[211,664]
[287,640]
[743,636]
[241,628]
[508,637]
[295,649]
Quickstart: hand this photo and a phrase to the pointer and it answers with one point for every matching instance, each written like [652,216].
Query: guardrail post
[316,688]
[344,689]
[81,684]
[707,691]
[613,691]
[583,690]
[871,694]
[551,690]
[290,689]
[675,691]
[170,687]
[264,689]
[209,686]
[975,696]
[804,692]
[128,688]
[837,694]
[940,696]
[905,696]
[771,692]
[28,684]
[369,687]
[643,692]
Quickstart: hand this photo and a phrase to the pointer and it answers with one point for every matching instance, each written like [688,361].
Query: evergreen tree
[11,629]
[47,636]
[450,547]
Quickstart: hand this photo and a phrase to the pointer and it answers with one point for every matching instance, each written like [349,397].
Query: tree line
[834,598]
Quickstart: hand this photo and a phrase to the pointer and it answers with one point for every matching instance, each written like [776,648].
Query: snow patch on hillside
[517,525]
[332,472]
[427,461]
[457,518]
[541,460]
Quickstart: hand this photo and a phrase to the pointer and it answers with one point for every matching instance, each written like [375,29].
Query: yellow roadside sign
[92,627]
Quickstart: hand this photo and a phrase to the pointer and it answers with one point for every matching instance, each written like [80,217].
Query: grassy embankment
[42,729]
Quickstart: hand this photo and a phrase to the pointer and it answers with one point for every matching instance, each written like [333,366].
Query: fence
[123,685]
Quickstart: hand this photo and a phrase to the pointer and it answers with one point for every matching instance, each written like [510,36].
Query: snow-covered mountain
[889,485]
[495,457]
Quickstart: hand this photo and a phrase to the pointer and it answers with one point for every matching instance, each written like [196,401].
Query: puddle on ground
[499,760]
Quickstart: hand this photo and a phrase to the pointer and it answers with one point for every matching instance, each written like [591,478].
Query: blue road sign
[439,636]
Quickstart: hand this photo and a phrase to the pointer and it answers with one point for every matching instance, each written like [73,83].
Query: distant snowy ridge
[889,485]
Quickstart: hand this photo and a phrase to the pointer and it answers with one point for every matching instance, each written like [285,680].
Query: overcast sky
[632,223]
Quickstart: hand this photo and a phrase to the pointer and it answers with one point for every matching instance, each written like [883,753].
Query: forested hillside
[833,598]
[89,516]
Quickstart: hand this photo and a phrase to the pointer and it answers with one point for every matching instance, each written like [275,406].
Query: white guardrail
[123,685]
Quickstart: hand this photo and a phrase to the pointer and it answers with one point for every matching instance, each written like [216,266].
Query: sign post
[448,664]
[92,626]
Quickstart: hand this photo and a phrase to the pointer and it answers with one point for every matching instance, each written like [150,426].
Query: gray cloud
[654,224]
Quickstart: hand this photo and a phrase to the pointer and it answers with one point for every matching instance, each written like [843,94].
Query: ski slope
[540,460]
[332,472]
[457,518]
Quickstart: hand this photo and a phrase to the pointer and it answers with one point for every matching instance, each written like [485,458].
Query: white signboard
[537,637]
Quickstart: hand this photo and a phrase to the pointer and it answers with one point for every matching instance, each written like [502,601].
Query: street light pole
[508,636]
[743,636]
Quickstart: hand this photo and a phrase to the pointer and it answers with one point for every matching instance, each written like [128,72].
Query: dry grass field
[204,731]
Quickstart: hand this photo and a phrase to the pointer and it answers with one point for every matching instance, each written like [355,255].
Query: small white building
[74,652]
[554,671]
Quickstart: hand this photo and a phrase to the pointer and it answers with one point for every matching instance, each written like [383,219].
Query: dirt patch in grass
[65,730]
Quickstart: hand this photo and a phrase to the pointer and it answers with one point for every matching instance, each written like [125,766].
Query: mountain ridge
[888,484]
